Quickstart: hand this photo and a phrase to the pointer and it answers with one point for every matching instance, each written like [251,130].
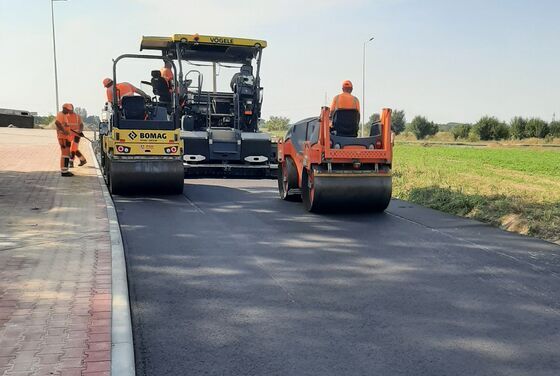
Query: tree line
[486,129]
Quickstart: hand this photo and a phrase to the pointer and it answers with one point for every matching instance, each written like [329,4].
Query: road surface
[230,280]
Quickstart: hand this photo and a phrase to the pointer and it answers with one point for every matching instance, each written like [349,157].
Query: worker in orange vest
[63,134]
[345,100]
[123,89]
[167,73]
[76,127]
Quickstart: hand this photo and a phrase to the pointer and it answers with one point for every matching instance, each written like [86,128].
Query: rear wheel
[288,180]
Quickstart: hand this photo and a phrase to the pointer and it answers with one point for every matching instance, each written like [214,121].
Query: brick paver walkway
[55,261]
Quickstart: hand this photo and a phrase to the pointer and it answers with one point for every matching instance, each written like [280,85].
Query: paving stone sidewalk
[55,261]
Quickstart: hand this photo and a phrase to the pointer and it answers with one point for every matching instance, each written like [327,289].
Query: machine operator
[345,100]
[123,89]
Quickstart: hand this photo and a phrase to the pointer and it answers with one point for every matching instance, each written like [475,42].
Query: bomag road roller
[220,128]
[141,148]
[325,164]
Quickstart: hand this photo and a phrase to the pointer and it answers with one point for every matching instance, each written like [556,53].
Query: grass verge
[515,189]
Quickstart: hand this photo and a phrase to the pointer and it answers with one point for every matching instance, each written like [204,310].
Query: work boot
[66,173]
[82,162]
[71,164]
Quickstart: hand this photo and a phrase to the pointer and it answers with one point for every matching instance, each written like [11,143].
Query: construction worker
[62,134]
[167,73]
[123,89]
[345,100]
[76,127]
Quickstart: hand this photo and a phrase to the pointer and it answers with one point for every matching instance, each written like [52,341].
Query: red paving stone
[55,262]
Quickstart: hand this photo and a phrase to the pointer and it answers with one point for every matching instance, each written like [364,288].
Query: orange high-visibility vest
[124,89]
[167,74]
[345,101]
[69,122]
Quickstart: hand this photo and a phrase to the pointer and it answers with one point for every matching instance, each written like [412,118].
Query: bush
[554,129]
[421,127]
[518,126]
[277,123]
[398,121]
[490,128]
[537,128]
[461,131]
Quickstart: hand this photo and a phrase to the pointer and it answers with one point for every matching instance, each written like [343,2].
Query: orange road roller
[324,163]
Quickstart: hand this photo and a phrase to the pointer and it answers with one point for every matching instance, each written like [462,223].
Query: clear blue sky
[447,60]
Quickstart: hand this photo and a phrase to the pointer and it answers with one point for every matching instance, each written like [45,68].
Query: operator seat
[134,107]
[160,87]
[346,122]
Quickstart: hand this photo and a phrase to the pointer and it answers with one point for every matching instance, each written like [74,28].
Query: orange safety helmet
[347,84]
[107,82]
[68,107]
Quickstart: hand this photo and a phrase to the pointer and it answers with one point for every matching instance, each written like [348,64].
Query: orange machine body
[352,167]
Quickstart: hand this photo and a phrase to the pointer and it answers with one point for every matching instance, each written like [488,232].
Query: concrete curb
[122,348]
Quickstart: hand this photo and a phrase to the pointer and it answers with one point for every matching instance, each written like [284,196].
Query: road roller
[141,146]
[323,163]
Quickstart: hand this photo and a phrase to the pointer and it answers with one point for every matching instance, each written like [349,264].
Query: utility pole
[364,86]
[54,56]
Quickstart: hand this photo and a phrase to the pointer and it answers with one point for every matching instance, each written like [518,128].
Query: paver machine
[325,164]
[220,129]
[141,149]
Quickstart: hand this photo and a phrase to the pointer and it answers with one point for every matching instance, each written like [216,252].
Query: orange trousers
[74,148]
[64,152]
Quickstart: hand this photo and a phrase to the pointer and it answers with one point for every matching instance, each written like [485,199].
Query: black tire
[115,190]
[288,180]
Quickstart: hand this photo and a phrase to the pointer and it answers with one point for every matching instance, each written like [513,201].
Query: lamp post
[54,55]
[364,86]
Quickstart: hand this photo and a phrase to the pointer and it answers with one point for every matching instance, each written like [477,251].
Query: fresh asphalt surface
[230,280]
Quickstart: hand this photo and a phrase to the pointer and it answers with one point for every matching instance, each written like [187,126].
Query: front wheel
[288,180]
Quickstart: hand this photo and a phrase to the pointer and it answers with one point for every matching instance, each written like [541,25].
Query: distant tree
[43,120]
[554,129]
[398,121]
[461,131]
[537,128]
[421,127]
[92,119]
[277,123]
[374,118]
[81,111]
[490,128]
[518,127]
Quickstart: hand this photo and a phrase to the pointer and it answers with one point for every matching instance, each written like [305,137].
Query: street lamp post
[364,86]
[54,55]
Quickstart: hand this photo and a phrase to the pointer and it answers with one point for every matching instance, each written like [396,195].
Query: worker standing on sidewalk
[63,134]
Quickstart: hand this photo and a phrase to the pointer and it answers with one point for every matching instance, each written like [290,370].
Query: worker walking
[124,89]
[345,100]
[62,134]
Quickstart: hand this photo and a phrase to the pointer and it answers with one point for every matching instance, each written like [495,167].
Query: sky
[451,61]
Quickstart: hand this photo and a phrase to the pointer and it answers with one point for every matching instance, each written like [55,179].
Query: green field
[517,189]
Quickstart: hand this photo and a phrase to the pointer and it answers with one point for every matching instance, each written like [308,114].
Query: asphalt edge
[122,347]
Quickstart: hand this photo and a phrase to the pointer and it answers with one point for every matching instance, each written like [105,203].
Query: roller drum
[146,176]
[346,192]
